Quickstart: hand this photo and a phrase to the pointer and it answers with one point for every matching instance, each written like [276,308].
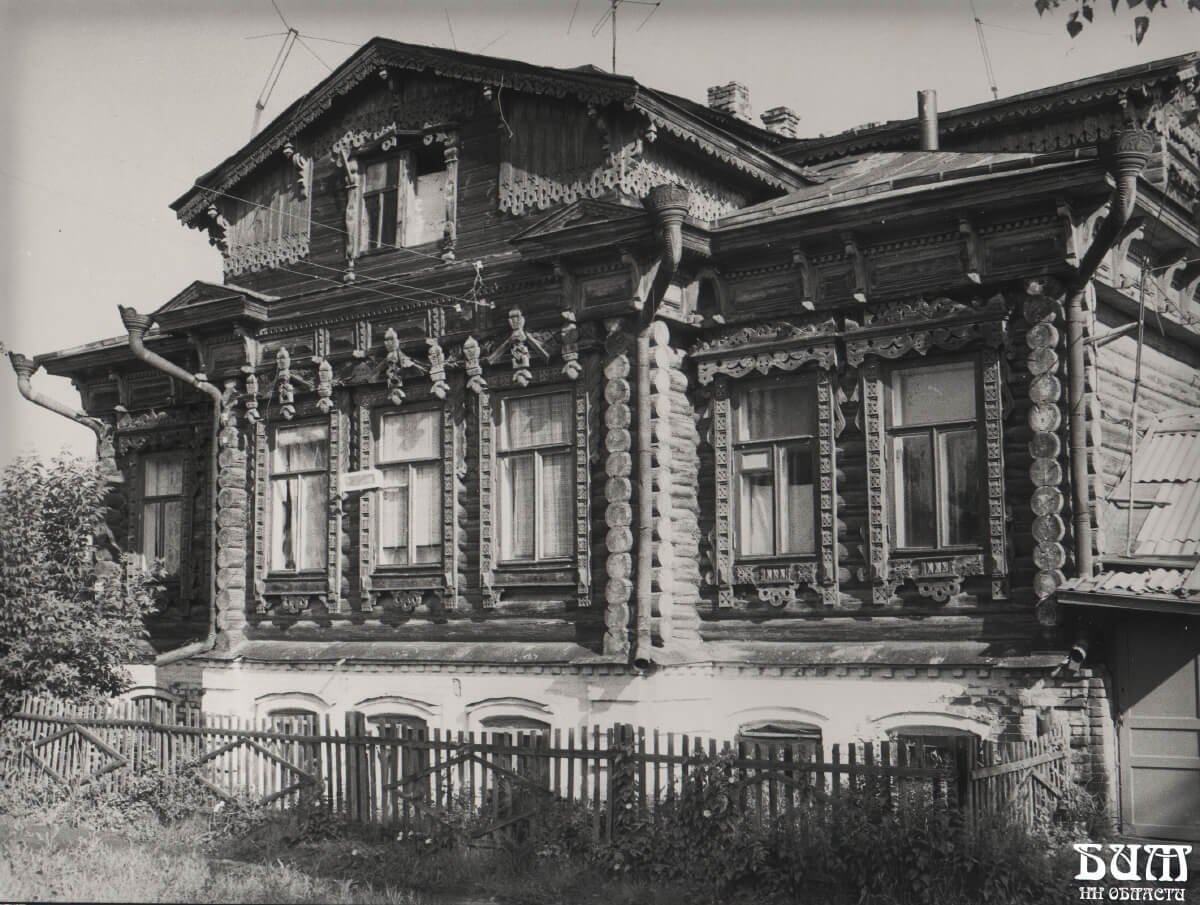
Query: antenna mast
[987,59]
[285,50]
[611,13]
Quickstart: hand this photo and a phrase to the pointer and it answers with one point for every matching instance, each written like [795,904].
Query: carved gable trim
[766,347]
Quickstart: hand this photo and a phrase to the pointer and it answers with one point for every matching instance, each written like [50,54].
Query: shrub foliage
[66,629]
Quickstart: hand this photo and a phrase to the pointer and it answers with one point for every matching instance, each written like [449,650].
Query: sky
[109,110]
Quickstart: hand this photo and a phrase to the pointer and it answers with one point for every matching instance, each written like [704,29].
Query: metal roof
[1173,526]
[1172,451]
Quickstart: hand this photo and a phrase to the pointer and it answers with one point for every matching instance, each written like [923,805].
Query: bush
[66,628]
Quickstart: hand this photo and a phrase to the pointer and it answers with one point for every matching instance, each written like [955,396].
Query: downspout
[137,325]
[1132,151]
[26,368]
[668,204]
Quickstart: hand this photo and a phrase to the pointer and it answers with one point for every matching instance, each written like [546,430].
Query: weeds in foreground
[166,838]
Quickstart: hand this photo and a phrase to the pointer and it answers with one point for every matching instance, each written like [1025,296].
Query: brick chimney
[782,121]
[733,99]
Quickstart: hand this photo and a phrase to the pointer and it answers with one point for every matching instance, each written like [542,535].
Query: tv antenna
[290,38]
[987,59]
[610,15]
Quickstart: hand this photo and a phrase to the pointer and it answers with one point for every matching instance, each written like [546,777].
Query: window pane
[172,523]
[151,516]
[393,518]
[300,448]
[163,477]
[913,473]
[427,512]
[408,436]
[558,497]
[283,493]
[961,502]
[799,534]
[756,512]
[425,218]
[516,507]
[933,394]
[316,503]
[765,412]
[379,175]
[536,421]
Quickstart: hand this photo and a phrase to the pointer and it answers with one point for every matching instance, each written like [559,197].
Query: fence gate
[1025,779]
[503,781]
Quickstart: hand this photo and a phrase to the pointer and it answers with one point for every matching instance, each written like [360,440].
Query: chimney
[927,114]
[733,99]
[782,121]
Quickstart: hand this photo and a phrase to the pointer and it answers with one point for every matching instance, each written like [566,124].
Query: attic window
[402,197]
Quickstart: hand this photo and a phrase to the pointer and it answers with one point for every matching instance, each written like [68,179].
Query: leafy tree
[1086,12]
[67,622]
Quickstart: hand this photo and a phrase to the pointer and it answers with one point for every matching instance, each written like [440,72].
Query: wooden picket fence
[500,781]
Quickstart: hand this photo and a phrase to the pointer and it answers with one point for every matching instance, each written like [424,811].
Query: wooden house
[537,397]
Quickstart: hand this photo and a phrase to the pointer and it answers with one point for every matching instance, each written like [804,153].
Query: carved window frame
[937,573]
[407,583]
[776,579]
[404,146]
[494,576]
[296,593]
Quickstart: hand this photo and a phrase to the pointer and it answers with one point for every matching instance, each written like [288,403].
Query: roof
[1048,101]
[880,172]
[736,143]
[1165,561]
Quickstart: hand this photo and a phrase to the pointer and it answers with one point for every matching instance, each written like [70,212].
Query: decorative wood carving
[938,578]
[450,235]
[251,399]
[489,596]
[270,227]
[570,346]
[437,368]
[321,593]
[518,345]
[818,572]
[618,488]
[420,578]
[475,380]
[858,268]
[877,512]
[897,328]
[971,252]
[324,386]
[808,279]
[993,423]
[765,347]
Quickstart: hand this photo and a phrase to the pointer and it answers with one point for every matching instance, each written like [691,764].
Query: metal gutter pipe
[668,204]
[1132,151]
[26,368]
[137,325]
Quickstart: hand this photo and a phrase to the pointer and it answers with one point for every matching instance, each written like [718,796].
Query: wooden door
[1159,730]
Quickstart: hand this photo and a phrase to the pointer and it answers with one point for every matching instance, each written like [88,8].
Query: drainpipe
[137,325]
[26,368]
[1132,150]
[668,204]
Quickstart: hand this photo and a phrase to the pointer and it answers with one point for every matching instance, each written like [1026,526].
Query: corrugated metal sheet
[1169,456]
[1172,529]
[1152,581]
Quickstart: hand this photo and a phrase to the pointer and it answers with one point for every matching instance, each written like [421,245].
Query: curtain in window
[518,499]
[408,436]
[558,510]
[537,421]
[300,448]
[757,529]
[959,452]
[299,502]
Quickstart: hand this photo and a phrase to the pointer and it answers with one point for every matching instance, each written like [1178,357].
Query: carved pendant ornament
[898,328]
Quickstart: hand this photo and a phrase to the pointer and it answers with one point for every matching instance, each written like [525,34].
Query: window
[403,199]
[933,746]
[162,510]
[783,738]
[409,458]
[774,428]
[528,736]
[293,721]
[933,438]
[299,502]
[537,477]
